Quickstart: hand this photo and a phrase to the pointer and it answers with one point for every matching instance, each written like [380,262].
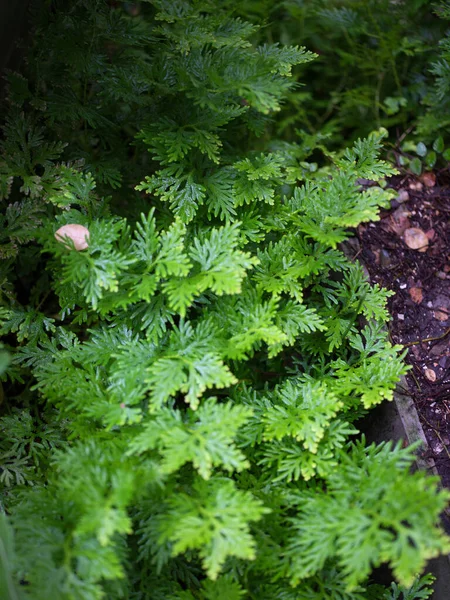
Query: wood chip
[441,315]
[416,239]
[430,374]
[416,294]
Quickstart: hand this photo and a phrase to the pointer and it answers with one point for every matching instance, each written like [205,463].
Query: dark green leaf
[416,166]
[430,159]
[438,144]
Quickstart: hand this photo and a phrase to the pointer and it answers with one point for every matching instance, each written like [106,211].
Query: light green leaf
[421,149]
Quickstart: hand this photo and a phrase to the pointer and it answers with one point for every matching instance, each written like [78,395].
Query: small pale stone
[416,186]
[416,239]
[403,196]
[77,233]
[437,447]
[430,374]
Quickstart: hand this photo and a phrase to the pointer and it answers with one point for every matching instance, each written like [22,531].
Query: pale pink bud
[77,233]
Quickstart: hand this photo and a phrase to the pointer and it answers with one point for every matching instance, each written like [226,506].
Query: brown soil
[420,308]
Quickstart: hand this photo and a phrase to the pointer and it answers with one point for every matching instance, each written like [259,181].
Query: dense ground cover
[181,393]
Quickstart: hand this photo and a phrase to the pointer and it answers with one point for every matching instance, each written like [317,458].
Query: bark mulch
[420,307]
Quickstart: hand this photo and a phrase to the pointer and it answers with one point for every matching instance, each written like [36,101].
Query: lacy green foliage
[25,448]
[347,519]
[182,394]
[419,590]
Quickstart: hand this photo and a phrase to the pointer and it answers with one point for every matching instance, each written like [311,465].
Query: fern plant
[183,396]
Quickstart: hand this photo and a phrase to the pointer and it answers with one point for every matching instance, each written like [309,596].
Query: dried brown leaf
[441,315]
[416,294]
[399,221]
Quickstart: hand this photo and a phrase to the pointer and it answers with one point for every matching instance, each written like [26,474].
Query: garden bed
[420,310]
[420,307]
